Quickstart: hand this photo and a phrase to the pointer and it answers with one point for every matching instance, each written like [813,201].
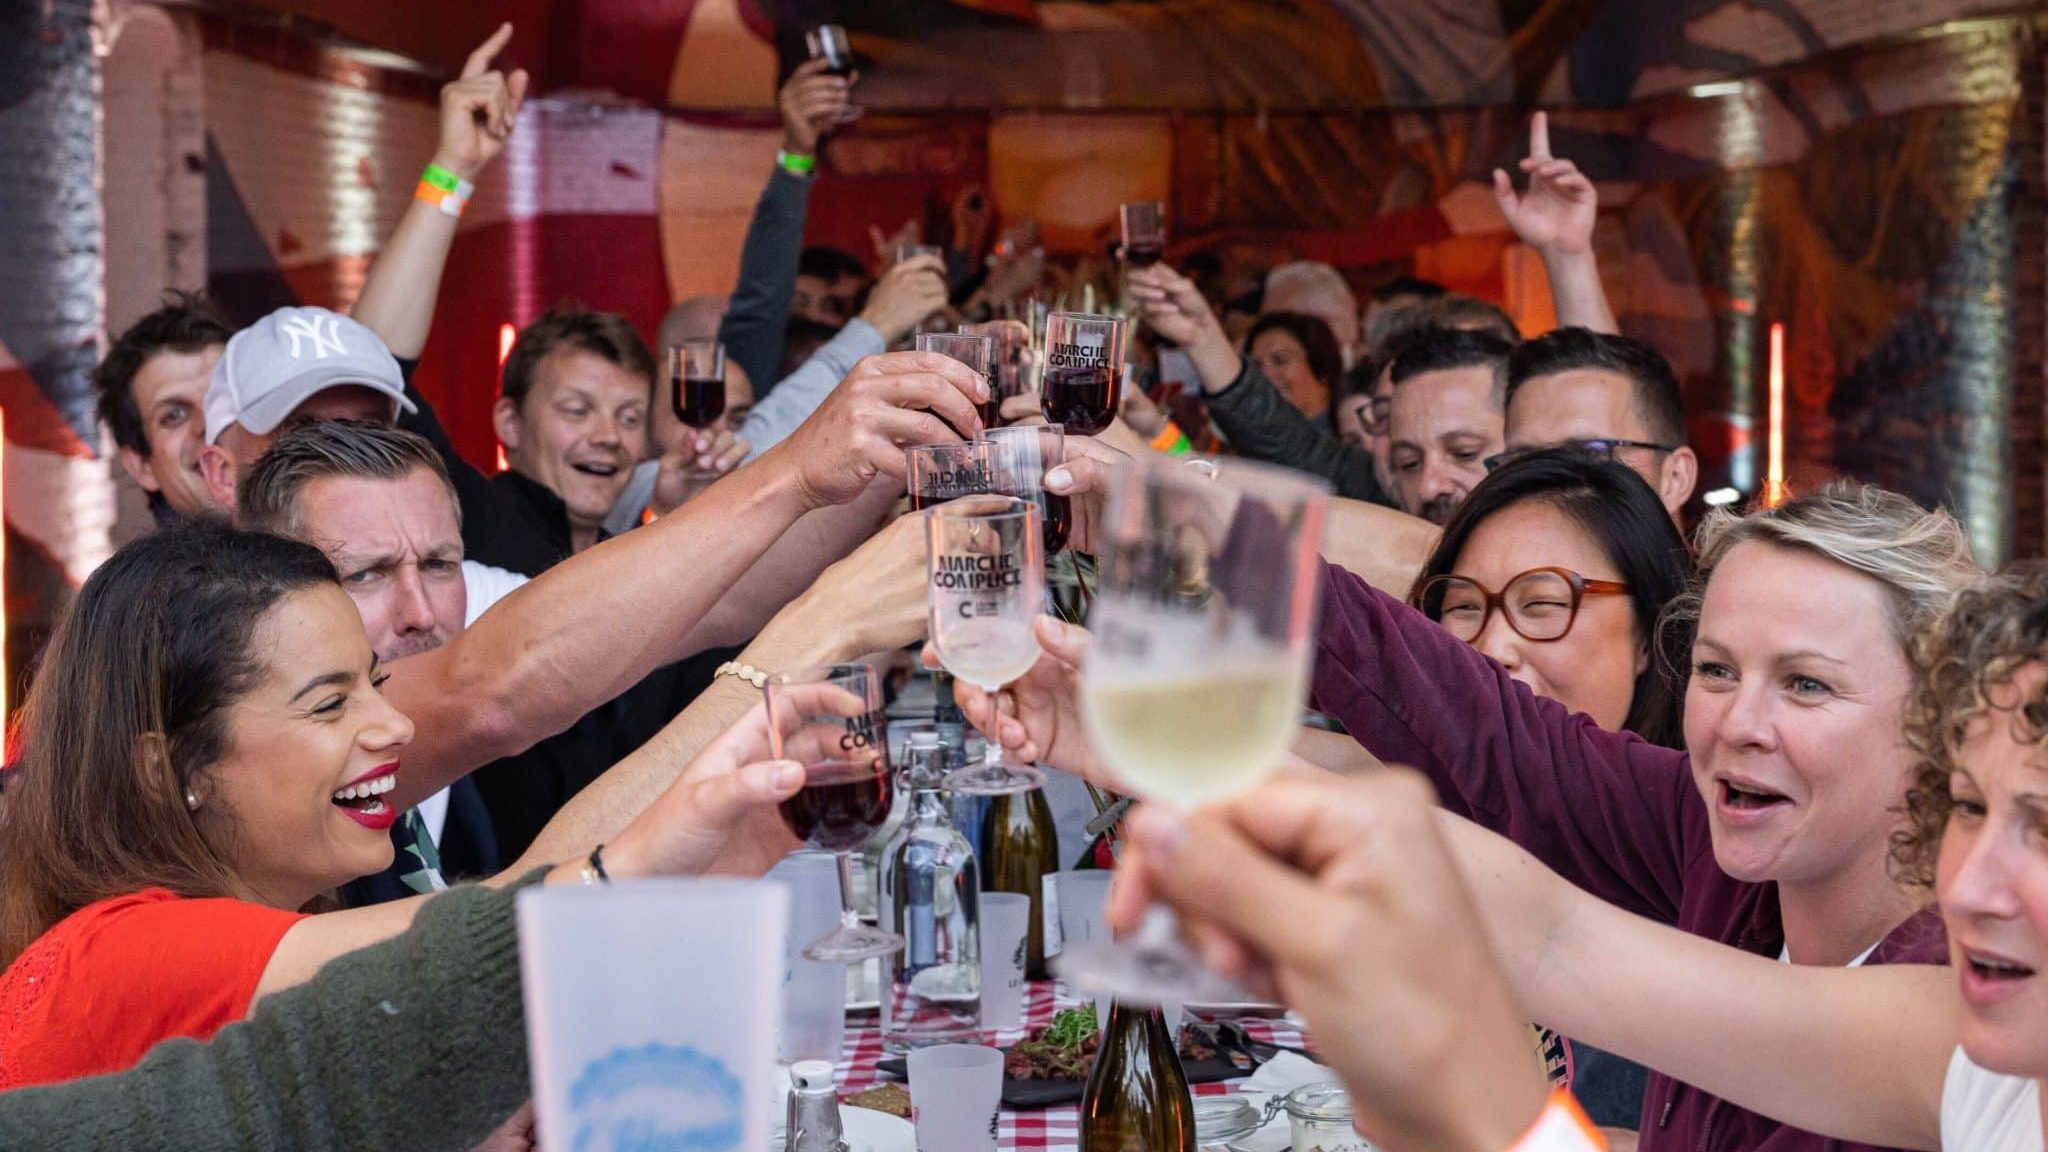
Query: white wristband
[1562,1127]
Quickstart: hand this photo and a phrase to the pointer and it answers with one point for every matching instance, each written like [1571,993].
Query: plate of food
[1050,1067]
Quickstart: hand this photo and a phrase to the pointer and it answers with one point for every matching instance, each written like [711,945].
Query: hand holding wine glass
[1341,894]
[811,102]
[828,44]
[1203,624]
[885,403]
[829,719]
[987,585]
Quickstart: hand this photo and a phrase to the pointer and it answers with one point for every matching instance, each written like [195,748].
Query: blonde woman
[1769,831]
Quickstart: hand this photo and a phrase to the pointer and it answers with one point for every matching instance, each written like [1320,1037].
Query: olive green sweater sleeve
[417,1044]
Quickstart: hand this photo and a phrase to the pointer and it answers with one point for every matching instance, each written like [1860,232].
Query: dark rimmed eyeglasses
[1541,604]
[1602,446]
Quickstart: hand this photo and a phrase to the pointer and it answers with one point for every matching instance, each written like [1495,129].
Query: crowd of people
[1754,810]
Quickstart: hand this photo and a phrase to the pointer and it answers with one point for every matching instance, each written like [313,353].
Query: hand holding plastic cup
[954,1092]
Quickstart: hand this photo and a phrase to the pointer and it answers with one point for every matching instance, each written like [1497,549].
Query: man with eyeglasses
[1608,395]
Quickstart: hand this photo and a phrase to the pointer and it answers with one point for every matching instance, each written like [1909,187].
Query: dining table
[1053,1129]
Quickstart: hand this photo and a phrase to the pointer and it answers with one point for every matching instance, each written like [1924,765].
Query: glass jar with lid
[1319,1119]
[1219,1120]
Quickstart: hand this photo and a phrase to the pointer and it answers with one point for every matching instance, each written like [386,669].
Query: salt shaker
[813,1109]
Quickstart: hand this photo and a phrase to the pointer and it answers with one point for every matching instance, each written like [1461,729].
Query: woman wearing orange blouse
[204,756]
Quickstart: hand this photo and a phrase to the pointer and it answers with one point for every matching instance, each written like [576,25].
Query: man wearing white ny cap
[294,363]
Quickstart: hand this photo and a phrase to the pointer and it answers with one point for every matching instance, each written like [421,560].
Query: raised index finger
[1539,136]
[480,60]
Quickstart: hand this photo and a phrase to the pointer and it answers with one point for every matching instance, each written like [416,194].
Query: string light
[507,336]
[1774,466]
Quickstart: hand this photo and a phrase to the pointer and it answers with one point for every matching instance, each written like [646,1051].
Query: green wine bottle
[1137,1098]
[1020,848]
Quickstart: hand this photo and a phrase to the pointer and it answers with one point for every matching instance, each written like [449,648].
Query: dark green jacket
[1262,425]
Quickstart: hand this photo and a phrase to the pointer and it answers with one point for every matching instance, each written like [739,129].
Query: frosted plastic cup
[1005,918]
[813,994]
[954,1092]
[1082,897]
[651,1008]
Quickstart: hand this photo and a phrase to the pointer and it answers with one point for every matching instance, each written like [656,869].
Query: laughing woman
[205,754]
[1770,831]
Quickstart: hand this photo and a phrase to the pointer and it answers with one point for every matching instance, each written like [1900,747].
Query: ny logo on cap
[323,331]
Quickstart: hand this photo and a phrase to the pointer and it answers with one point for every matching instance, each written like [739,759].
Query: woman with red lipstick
[204,756]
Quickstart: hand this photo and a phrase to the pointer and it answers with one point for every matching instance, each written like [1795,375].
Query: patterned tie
[425,879]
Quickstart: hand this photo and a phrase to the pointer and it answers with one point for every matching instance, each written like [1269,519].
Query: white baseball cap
[278,363]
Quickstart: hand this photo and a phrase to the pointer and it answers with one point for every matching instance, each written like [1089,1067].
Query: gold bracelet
[742,671]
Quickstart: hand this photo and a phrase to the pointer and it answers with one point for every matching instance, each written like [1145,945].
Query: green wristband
[441,178]
[796,165]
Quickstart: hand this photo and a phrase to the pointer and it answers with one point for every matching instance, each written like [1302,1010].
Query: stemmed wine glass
[1018,459]
[829,718]
[1144,223]
[975,351]
[987,587]
[828,42]
[696,375]
[1084,371]
[1204,618]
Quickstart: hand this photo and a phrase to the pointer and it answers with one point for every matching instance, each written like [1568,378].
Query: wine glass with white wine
[987,586]
[1204,620]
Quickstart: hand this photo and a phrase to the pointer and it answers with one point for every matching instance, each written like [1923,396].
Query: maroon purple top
[1611,812]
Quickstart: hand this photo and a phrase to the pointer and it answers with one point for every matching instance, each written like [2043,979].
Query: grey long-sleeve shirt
[1262,425]
[417,1044]
[757,321]
[773,418]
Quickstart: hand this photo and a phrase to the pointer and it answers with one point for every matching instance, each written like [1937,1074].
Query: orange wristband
[1562,1126]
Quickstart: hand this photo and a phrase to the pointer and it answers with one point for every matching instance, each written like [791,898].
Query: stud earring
[191,800]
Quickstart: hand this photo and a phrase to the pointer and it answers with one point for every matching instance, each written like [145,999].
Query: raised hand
[1340,893]
[905,295]
[712,450]
[811,101]
[479,109]
[1557,212]
[1171,304]
[719,816]
[886,404]
[1039,717]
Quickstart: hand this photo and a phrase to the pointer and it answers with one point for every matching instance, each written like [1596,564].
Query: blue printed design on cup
[656,1098]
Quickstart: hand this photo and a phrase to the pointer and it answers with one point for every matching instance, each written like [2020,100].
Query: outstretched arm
[596,623]
[1555,216]
[1855,1053]
[758,320]
[478,113]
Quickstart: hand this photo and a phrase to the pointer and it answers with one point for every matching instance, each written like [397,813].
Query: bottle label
[1050,902]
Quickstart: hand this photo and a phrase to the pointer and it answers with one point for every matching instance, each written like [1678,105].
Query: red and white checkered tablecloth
[1042,1129]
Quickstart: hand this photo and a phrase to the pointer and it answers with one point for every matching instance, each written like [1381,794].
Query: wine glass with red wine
[1018,459]
[828,42]
[828,718]
[696,376]
[974,351]
[941,472]
[1144,232]
[1010,365]
[1084,371]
